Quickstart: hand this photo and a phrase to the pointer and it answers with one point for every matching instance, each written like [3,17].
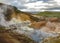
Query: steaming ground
[35,34]
[23,26]
[3,10]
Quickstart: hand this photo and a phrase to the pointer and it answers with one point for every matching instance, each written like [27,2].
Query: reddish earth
[53,19]
[38,25]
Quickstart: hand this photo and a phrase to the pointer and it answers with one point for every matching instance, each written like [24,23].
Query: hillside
[13,12]
[24,15]
[10,36]
[9,15]
[49,14]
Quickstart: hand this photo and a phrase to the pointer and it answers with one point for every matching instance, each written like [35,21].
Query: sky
[34,5]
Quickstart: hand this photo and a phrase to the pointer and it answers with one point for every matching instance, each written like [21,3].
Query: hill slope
[49,14]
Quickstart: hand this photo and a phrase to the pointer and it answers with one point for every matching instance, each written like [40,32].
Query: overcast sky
[34,5]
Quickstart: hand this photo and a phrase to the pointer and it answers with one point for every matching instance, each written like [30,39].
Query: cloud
[57,1]
[34,5]
[38,6]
